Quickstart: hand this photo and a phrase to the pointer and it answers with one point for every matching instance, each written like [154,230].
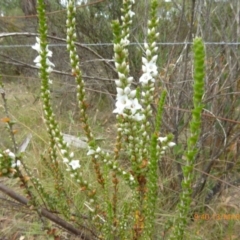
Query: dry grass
[18,222]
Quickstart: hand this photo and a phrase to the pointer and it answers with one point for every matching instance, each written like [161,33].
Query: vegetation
[173,146]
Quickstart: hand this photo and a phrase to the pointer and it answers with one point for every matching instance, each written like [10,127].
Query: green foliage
[191,152]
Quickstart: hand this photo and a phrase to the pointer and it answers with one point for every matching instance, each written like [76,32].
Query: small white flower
[123,102]
[135,106]
[75,164]
[16,164]
[127,90]
[146,45]
[162,139]
[171,144]
[49,53]
[151,68]
[63,151]
[131,178]
[129,80]
[148,52]
[138,117]
[118,83]
[131,13]
[65,160]
[124,41]
[91,152]
[121,75]
[120,91]
[132,94]
[36,46]
[49,63]
[11,155]
[154,59]
[145,78]
[37,60]
[98,150]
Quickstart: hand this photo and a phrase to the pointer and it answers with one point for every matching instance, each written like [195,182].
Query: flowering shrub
[144,145]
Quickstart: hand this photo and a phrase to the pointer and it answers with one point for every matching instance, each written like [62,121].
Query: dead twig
[45,213]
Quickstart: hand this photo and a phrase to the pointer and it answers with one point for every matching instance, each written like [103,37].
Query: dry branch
[45,213]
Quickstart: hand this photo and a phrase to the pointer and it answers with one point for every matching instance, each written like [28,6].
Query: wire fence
[131,44]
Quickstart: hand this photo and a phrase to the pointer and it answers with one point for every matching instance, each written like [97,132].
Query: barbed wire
[130,44]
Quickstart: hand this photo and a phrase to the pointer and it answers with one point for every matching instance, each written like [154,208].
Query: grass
[18,222]
[27,113]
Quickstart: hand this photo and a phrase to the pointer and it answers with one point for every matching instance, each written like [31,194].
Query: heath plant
[106,211]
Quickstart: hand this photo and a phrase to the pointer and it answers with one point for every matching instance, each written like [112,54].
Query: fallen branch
[45,213]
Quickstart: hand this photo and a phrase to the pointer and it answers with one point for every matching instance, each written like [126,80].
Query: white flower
[162,139]
[171,144]
[146,45]
[145,78]
[98,150]
[132,94]
[131,178]
[154,59]
[121,75]
[49,63]
[118,83]
[63,151]
[124,41]
[127,90]
[49,53]
[91,152]
[135,105]
[138,117]
[148,52]
[130,80]
[150,67]
[123,102]
[36,46]
[75,164]
[119,91]
[131,13]
[9,153]
[16,164]
[38,59]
